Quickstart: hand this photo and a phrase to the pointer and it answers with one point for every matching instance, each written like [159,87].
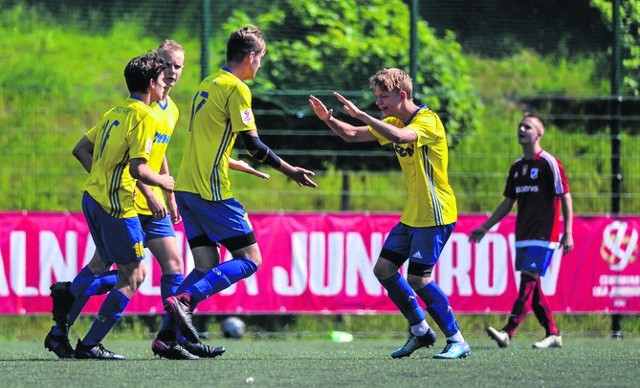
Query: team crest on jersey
[246,115]
[534,173]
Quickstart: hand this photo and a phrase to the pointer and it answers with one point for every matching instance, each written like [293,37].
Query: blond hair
[392,80]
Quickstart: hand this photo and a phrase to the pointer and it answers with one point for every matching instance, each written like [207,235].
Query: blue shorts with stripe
[420,245]
[533,258]
[218,220]
[118,240]
[157,228]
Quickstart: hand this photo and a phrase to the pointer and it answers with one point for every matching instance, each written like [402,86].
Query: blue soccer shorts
[154,228]
[419,245]
[533,258]
[118,240]
[219,220]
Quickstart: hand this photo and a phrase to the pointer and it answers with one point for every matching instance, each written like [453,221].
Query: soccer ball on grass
[233,327]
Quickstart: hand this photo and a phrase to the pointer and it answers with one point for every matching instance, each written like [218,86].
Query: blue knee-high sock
[169,284]
[404,298]
[102,283]
[109,314]
[220,277]
[439,309]
[87,284]
[193,277]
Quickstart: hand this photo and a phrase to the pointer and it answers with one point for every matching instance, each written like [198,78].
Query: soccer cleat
[59,344]
[550,341]
[454,350]
[171,350]
[414,343]
[500,336]
[180,313]
[62,302]
[96,352]
[617,335]
[204,350]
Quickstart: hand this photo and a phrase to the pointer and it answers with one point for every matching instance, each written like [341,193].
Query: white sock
[456,337]
[420,329]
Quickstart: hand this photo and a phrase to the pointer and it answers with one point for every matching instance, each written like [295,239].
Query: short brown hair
[244,41]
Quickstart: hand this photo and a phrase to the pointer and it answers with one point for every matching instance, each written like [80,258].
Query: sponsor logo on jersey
[402,151]
[161,138]
[247,116]
[534,173]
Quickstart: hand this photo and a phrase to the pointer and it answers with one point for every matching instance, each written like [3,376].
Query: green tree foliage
[630,20]
[322,46]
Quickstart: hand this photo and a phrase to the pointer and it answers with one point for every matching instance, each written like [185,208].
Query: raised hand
[320,109]
[348,106]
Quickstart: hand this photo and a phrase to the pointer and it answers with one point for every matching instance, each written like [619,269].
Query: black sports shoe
[171,350]
[96,352]
[59,344]
[62,302]
[204,350]
[180,313]
[414,343]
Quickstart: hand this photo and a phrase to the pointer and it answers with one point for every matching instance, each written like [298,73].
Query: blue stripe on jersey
[114,185]
[214,181]
[435,201]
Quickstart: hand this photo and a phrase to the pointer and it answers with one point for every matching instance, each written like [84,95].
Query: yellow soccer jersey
[430,199]
[125,132]
[167,113]
[220,109]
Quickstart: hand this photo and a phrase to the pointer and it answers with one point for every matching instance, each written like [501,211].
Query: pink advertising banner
[321,263]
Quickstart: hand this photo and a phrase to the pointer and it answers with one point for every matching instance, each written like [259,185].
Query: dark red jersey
[537,185]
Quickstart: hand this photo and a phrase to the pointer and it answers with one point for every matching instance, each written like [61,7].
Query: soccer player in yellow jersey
[430,214]
[221,109]
[122,142]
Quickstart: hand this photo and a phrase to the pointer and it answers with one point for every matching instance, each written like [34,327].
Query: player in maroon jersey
[538,184]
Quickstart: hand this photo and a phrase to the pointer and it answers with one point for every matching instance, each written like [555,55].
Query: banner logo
[619,245]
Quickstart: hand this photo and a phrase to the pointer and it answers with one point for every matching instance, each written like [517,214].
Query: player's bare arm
[241,165]
[170,198]
[156,206]
[566,241]
[501,211]
[140,170]
[388,131]
[265,155]
[346,131]
[83,151]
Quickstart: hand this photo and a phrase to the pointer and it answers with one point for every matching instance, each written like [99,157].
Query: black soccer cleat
[96,352]
[62,302]
[171,350]
[414,343]
[59,344]
[204,350]
[180,313]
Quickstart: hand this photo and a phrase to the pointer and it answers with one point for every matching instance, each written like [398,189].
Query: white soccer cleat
[501,337]
[551,341]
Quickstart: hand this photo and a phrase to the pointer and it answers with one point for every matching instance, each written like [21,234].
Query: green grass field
[584,362]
